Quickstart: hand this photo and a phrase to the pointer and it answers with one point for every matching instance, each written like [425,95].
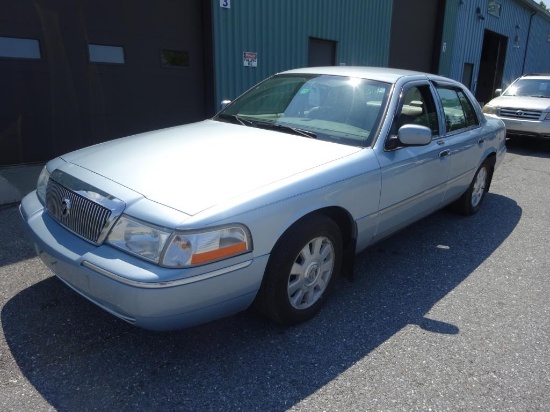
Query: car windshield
[334,108]
[529,87]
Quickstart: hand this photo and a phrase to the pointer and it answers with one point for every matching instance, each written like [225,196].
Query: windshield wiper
[236,119]
[286,129]
[265,125]
[539,95]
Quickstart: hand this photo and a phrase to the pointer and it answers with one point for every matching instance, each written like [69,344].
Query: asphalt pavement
[451,314]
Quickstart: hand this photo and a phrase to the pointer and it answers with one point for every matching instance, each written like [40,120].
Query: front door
[413,177]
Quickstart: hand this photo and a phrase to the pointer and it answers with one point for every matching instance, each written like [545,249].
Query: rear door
[463,138]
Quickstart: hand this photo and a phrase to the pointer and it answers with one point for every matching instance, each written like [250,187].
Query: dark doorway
[491,66]
[416,33]
[321,52]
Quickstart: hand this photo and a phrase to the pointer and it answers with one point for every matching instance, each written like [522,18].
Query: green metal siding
[448,38]
[279,31]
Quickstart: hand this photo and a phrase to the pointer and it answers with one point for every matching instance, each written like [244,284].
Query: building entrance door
[491,66]
[416,32]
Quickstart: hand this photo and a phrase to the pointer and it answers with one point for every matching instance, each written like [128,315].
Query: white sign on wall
[250,59]
[226,4]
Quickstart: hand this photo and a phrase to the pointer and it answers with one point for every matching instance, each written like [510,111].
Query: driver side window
[417,108]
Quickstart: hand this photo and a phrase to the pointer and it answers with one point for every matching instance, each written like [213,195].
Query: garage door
[416,34]
[86,71]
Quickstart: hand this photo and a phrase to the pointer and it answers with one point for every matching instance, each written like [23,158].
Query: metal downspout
[527,41]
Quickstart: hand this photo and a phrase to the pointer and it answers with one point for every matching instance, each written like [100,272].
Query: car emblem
[520,113]
[65,207]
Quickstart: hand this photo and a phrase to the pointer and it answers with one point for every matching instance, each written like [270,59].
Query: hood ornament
[66,207]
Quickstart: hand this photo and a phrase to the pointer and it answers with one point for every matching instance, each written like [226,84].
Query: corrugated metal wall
[512,23]
[448,38]
[537,58]
[278,31]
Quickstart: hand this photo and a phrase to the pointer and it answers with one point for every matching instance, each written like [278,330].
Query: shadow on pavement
[79,357]
[528,146]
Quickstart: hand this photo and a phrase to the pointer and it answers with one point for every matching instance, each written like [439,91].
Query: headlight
[181,249]
[42,184]
[138,238]
[198,248]
[488,109]
[547,117]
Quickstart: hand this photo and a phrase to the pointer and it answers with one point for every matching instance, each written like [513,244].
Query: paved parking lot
[452,314]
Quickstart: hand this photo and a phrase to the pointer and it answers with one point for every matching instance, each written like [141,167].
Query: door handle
[444,153]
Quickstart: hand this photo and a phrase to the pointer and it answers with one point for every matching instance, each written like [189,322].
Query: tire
[470,202]
[301,270]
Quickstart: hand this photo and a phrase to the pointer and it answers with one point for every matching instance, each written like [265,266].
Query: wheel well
[344,221]
[340,216]
[492,159]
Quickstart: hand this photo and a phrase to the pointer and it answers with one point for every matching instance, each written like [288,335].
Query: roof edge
[533,5]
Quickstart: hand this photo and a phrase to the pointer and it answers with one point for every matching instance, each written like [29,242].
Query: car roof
[383,74]
[536,76]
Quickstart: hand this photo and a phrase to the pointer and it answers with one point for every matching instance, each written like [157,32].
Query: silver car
[524,106]
[267,203]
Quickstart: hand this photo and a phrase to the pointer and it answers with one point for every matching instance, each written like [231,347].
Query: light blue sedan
[267,203]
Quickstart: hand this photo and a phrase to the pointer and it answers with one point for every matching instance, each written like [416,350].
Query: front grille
[77,213]
[520,113]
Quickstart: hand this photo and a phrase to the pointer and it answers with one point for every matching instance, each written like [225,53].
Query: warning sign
[250,59]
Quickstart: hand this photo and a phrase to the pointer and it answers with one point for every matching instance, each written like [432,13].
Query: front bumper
[536,128]
[136,291]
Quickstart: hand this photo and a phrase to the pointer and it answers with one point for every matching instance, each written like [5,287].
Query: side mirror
[414,135]
[224,103]
[498,92]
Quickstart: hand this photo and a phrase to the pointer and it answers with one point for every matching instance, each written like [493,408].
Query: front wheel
[470,202]
[301,270]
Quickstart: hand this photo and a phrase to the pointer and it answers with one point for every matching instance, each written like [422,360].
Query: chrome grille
[77,213]
[520,113]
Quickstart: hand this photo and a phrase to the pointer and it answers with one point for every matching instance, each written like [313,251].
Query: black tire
[470,202]
[301,270]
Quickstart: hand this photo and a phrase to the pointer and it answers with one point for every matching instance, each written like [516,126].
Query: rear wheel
[301,270]
[470,202]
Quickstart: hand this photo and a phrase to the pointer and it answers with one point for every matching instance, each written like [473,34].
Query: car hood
[194,167]
[522,102]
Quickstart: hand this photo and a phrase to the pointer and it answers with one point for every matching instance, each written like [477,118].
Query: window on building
[16,48]
[174,58]
[467,75]
[494,8]
[321,52]
[106,54]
